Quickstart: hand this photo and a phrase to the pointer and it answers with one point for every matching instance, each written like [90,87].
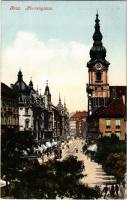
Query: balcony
[89,88]
[99,81]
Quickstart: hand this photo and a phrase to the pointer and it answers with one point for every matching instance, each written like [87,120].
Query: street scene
[63,100]
[93,171]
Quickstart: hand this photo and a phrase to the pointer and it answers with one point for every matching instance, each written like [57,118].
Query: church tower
[97,87]
[47,93]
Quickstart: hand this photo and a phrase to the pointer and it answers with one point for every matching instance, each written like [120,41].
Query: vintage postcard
[63,97]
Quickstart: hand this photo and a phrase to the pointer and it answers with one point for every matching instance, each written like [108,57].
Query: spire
[97,36]
[59,99]
[40,91]
[64,103]
[98,51]
[31,83]
[47,92]
[20,75]
[60,106]
[37,89]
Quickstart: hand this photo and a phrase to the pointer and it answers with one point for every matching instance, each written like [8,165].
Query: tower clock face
[98,66]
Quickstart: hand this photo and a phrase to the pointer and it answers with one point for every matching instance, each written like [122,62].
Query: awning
[40,149]
[54,143]
[43,147]
[92,148]
[48,144]
[24,152]
[2,183]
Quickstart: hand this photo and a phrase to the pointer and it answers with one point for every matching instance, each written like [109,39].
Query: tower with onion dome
[98,86]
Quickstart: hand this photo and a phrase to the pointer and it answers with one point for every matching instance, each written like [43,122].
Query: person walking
[116,189]
[112,191]
[105,191]
[121,190]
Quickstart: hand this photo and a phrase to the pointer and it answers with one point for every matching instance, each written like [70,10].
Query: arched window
[98,76]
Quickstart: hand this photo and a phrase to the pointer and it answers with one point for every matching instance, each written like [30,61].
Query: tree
[111,154]
[54,179]
[107,145]
[116,165]
[12,146]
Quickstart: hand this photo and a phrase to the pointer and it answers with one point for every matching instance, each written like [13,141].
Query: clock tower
[97,87]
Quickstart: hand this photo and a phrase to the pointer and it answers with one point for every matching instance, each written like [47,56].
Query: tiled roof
[79,115]
[115,109]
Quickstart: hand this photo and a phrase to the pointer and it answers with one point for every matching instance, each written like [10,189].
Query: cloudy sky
[54,45]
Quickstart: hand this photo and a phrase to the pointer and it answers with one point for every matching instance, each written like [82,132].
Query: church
[106,103]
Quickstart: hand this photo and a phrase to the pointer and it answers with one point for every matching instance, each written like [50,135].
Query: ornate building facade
[25,111]
[64,119]
[33,112]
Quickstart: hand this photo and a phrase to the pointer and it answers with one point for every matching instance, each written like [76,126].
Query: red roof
[79,115]
[115,109]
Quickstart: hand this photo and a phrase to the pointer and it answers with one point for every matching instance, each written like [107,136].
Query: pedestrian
[112,191]
[116,189]
[82,166]
[121,190]
[105,190]
[60,153]
[76,150]
[42,157]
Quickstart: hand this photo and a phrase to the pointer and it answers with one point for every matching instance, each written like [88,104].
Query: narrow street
[93,171]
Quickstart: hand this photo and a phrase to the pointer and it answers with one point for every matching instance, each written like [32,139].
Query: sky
[54,45]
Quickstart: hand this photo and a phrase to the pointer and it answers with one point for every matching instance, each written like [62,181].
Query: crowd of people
[113,191]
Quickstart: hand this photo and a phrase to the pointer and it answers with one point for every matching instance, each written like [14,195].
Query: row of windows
[116,133]
[99,101]
[12,109]
[117,123]
[9,103]
[9,121]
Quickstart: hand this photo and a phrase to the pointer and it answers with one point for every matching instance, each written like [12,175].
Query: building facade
[63,120]
[107,120]
[78,123]
[9,109]
[24,109]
